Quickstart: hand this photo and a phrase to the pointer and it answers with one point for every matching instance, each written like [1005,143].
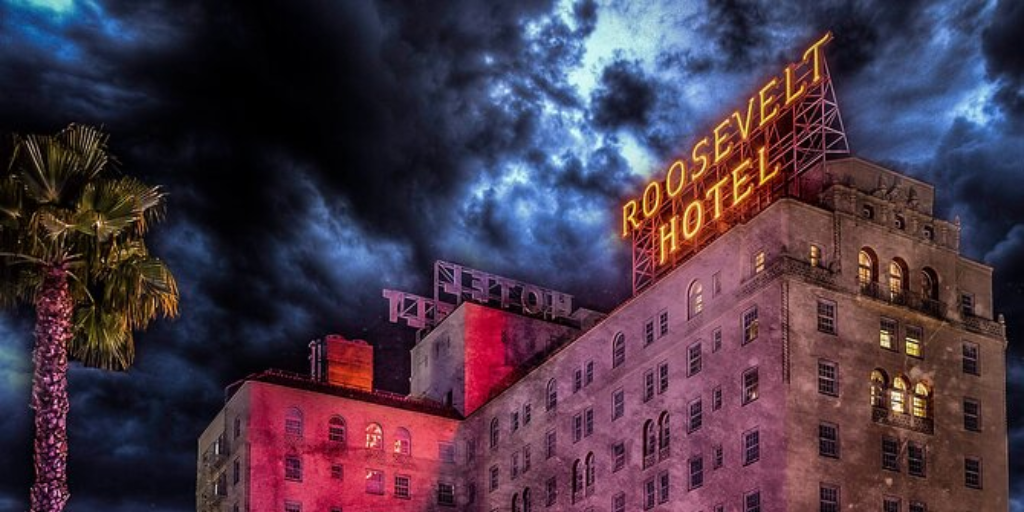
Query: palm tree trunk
[50,392]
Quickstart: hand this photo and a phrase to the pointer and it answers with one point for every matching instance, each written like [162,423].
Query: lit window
[829,495]
[887,333]
[693,356]
[696,298]
[828,440]
[815,256]
[972,415]
[495,433]
[912,341]
[552,395]
[897,281]
[879,384]
[759,262]
[751,447]
[618,404]
[867,268]
[293,422]
[696,472]
[750,325]
[752,502]
[826,316]
[972,472]
[750,386]
[890,504]
[374,437]
[618,350]
[649,332]
[828,378]
[890,453]
[336,430]
[920,402]
[662,377]
[897,395]
[648,385]
[696,409]
[403,442]
[402,486]
[971,359]
[374,481]
[293,468]
[716,340]
[916,459]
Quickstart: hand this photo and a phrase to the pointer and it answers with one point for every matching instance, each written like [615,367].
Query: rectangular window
[337,472]
[662,377]
[716,398]
[446,452]
[891,453]
[716,339]
[526,458]
[649,332]
[514,420]
[514,469]
[966,304]
[916,459]
[402,486]
[972,472]
[619,502]
[527,413]
[815,256]
[972,415]
[696,409]
[917,506]
[887,333]
[828,378]
[550,443]
[588,422]
[446,494]
[752,502]
[696,472]
[618,404]
[470,450]
[648,385]
[890,504]
[717,456]
[618,456]
[374,481]
[649,494]
[662,323]
[826,316]
[971,359]
[292,506]
[759,262]
[577,427]
[716,284]
[293,469]
[751,447]
[912,341]
[471,492]
[750,325]
[494,478]
[577,380]
[663,487]
[236,471]
[750,385]
[829,495]
[693,358]
[588,374]
[828,440]
[551,488]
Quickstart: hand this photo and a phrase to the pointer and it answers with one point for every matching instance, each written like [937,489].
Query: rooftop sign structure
[773,146]
[455,284]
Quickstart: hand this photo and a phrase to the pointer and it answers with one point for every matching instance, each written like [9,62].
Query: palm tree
[72,245]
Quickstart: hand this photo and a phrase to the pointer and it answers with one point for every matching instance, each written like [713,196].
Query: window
[374,481]
[696,410]
[887,333]
[403,442]
[693,359]
[650,440]
[649,494]
[292,506]
[336,430]
[750,325]
[751,447]
[890,453]
[526,458]
[917,506]
[696,472]
[577,427]
[752,502]
[867,268]
[236,471]
[815,256]
[929,233]
[897,395]
[750,385]
[879,383]
[402,486]
[577,380]
[552,395]
[618,456]
[293,422]
[717,456]
[619,502]
[446,494]
[829,495]
[588,422]
[588,374]
[899,222]
[618,350]
[929,284]
[971,359]
[897,279]
[664,435]
[890,504]
[514,469]
[495,433]
[916,459]
[716,398]
[527,413]
[649,332]
[238,427]
[446,452]
[716,284]
[527,500]
[695,299]
[967,304]
[920,405]
[648,385]
[826,316]
[551,487]
[912,341]
[618,404]
[374,437]
[828,440]
[867,211]
[550,443]
[470,449]
[515,503]
[662,377]
[514,420]
[716,340]
[972,415]
[759,262]
[972,472]
[471,492]
[828,378]
[493,480]
[293,468]
[591,472]
[663,487]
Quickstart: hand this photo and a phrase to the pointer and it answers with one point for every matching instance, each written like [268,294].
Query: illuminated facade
[827,349]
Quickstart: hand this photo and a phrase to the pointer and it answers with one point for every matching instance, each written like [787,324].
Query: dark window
[446,494]
[374,481]
[891,453]
[916,459]
[693,357]
[551,487]
[649,494]
[716,340]
[917,506]
[971,362]
[618,456]
[662,377]
[293,468]
[696,409]
[236,471]
[972,415]
[495,433]
[618,350]
[550,443]
[828,378]
[826,316]
[494,478]
[696,472]
[648,385]
[292,506]
[966,304]
[972,472]
[828,440]
[618,404]
[890,504]
[663,323]
[552,395]
[577,380]
[577,427]
[526,458]
[336,430]
[751,447]
[649,332]
[752,502]
[514,420]
[718,457]
[588,422]
[663,487]
[337,472]
[829,495]
[402,486]
[619,502]
[588,374]
[716,398]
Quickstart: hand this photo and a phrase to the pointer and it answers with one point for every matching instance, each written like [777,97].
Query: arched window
[293,422]
[664,434]
[403,441]
[527,500]
[867,267]
[929,284]
[897,278]
[577,480]
[650,439]
[336,430]
[921,400]
[898,395]
[696,298]
[591,472]
[515,503]
[879,383]
[618,350]
[374,437]
[552,395]
[495,433]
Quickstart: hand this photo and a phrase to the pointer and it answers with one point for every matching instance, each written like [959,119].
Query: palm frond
[103,338]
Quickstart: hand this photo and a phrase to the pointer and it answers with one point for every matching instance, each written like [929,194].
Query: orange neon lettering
[670,237]
[790,95]
[699,156]
[629,217]
[716,190]
[744,124]
[656,188]
[768,100]
[762,163]
[692,225]
[669,189]
[719,139]
[815,52]
[738,180]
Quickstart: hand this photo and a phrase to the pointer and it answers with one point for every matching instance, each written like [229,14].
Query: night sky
[316,152]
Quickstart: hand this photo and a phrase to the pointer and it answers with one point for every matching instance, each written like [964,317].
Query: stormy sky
[316,152]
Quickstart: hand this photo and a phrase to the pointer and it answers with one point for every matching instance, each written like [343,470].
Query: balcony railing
[912,300]
[650,460]
[983,326]
[664,453]
[906,421]
[216,453]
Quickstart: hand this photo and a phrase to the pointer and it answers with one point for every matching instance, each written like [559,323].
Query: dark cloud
[624,98]
[1002,42]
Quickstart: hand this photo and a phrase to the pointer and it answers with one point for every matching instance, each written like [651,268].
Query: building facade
[828,354]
